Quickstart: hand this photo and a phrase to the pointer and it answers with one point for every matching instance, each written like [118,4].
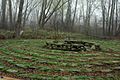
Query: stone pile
[72,45]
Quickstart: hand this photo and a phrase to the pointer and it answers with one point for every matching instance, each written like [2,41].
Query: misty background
[98,18]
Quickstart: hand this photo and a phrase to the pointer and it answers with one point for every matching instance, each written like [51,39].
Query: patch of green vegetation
[20,56]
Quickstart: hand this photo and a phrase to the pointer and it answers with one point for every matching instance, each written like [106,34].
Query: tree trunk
[10,15]
[73,21]
[19,19]
[103,16]
[68,17]
[3,14]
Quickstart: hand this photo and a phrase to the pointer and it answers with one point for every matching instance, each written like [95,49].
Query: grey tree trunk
[4,26]
[10,15]
[73,21]
[103,16]
[62,18]
[111,21]
[25,14]
[116,22]
[19,19]
[68,17]
[107,18]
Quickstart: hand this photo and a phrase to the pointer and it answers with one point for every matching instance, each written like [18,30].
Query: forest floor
[26,59]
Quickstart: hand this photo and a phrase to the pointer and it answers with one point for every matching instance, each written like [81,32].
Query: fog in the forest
[90,17]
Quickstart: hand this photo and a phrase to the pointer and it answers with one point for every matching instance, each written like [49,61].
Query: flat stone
[110,75]
[116,55]
[74,64]
[21,65]
[90,58]
[116,68]
[108,54]
[89,70]
[83,60]
[1,67]
[12,71]
[98,64]
[88,66]
[115,61]
[106,70]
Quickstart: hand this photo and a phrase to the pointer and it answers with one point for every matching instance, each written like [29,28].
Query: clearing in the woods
[28,60]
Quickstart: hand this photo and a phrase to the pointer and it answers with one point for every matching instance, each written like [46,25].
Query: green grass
[28,59]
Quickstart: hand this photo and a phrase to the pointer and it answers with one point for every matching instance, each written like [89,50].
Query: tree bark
[73,21]
[10,15]
[19,19]
[103,16]
[3,14]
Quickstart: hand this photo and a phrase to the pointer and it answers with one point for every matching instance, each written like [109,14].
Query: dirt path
[7,78]
[0,52]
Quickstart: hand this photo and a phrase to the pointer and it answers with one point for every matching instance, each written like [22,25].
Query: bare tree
[69,17]
[111,20]
[62,17]
[89,12]
[4,14]
[19,19]
[76,4]
[44,17]
[103,15]
[15,11]
[116,21]
[10,14]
